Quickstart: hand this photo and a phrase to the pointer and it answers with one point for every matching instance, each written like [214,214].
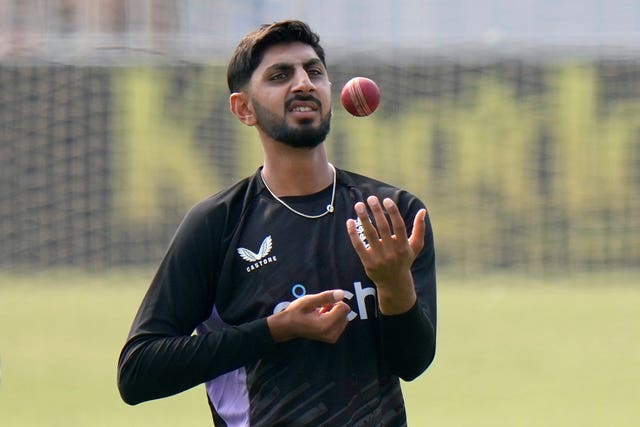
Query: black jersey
[241,256]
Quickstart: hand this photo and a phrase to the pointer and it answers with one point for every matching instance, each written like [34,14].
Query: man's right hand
[319,317]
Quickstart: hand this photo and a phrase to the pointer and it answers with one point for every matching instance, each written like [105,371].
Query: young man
[312,289]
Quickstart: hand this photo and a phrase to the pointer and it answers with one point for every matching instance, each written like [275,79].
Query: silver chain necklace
[330,207]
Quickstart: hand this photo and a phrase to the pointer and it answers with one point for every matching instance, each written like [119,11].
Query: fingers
[388,253]
[337,296]
[396,220]
[385,230]
[320,317]
[325,298]
[368,230]
[416,241]
[352,230]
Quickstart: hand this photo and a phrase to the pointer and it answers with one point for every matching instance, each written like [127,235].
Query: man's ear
[239,105]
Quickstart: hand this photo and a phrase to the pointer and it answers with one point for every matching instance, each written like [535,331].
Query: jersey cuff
[263,335]
[409,315]
[413,319]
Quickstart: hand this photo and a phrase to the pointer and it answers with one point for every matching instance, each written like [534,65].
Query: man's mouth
[307,105]
[301,109]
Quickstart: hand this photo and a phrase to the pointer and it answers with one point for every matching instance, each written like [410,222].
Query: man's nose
[302,82]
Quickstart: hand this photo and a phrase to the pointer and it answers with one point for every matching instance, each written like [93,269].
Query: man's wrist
[279,327]
[397,297]
[399,300]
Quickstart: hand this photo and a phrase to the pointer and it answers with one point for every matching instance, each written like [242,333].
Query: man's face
[290,94]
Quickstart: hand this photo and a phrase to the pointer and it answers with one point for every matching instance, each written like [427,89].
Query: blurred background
[516,122]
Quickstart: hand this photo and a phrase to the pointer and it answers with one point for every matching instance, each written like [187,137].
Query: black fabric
[241,255]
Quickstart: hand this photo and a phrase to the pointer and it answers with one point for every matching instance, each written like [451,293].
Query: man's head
[279,83]
[251,48]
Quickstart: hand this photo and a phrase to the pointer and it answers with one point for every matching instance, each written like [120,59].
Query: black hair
[250,51]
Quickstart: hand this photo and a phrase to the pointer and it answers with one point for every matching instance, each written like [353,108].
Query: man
[310,296]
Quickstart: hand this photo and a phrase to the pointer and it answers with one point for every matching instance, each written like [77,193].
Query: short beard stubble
[303,136]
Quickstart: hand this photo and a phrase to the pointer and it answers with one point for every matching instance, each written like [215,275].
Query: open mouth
[297,105]
[301,109]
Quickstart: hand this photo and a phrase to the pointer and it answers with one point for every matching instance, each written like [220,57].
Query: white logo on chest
[261,258]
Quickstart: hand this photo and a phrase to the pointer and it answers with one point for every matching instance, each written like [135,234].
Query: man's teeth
[302,109]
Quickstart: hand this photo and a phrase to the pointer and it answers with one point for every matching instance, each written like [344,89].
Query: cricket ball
[360,96]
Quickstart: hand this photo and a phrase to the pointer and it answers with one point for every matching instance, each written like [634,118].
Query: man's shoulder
[373,186]
[360,181]
[225,202]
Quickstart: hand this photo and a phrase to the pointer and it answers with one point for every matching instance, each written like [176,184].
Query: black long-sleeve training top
[240,256]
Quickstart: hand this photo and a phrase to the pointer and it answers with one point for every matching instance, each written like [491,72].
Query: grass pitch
[512,351]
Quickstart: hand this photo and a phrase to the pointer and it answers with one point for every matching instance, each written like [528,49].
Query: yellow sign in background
[538,177]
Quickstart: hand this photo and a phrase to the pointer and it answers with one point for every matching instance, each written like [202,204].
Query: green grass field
[512,352]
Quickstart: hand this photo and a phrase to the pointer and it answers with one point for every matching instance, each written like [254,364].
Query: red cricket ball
[360,96]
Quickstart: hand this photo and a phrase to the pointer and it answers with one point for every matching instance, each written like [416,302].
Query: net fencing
[525,162]
[114,120]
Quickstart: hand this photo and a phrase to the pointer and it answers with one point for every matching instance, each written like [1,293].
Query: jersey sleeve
[409,339]
[162,356]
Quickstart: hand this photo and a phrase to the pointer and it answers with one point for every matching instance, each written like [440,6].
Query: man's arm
[155,366]
[161,356]
[403,269]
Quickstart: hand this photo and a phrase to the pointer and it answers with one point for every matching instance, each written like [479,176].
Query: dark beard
[303,136]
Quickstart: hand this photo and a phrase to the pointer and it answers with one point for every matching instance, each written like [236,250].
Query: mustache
[302,98]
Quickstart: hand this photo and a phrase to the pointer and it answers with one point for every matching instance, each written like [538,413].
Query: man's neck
[297,171]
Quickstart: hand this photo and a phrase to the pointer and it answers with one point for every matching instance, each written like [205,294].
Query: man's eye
[279,76]
[315,72]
